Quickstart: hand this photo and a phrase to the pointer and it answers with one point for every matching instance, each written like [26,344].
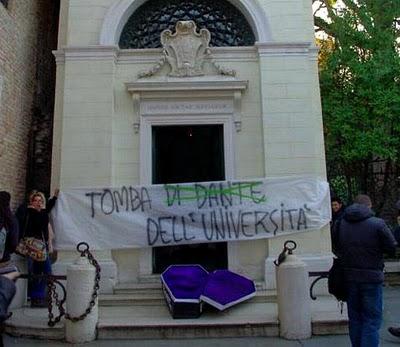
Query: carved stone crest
[185,51]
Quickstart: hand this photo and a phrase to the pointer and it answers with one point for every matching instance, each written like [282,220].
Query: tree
[360,89]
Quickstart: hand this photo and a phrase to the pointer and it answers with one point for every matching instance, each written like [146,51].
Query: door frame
[146,145]
[186,102]
[146,167]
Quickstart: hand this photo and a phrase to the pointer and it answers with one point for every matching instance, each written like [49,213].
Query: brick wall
[20,54]
[18,30]
[39,158]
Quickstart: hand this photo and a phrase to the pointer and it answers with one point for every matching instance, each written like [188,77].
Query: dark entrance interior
[190,153]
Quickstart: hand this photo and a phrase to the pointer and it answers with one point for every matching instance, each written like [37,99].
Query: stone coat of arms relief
[185,51]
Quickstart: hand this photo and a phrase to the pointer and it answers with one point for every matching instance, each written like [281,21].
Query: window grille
[227,25]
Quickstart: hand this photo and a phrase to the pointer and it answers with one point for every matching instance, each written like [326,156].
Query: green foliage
[339,185]
[360,83]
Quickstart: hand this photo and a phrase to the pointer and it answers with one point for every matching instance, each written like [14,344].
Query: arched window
[227,25]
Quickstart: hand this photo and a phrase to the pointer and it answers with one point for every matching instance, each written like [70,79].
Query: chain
[286,250]
[86,253]
[53,295]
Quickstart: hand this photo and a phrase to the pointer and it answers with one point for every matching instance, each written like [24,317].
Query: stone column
[80,283]
[294,303]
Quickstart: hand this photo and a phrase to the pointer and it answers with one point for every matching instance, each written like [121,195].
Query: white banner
[174,214]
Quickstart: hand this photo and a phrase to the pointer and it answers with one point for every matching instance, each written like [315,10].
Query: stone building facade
[28,32]
[106,112]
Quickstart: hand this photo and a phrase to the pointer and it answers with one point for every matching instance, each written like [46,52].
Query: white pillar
[80,283]
[294,303]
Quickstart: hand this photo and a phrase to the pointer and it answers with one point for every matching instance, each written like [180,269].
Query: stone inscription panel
[186,107]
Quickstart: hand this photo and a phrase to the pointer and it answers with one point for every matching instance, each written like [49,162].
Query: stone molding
[84,53]
[119,13]
[203,90]
[192,85]
[152,55]
[285,48]
[223,54]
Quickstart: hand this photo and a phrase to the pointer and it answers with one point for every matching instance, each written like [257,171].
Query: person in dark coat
[22,209]
[396,231]
[361,241]
[395,331]
[37,225]
[337,209]
[9,241]
[337,213]
[10,225]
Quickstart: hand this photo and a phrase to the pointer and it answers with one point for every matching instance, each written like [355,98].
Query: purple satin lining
[220,286]
[185,281]
[224,287]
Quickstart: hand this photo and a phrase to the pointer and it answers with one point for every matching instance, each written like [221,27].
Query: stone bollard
[80,283]
[294,302]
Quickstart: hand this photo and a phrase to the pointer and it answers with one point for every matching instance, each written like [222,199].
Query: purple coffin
[182,286]
[225,288]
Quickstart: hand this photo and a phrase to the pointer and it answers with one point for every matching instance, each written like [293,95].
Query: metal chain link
[92,303]
[286,250]
[53,295]
[86,253]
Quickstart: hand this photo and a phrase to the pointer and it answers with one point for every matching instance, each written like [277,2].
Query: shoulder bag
[31,246]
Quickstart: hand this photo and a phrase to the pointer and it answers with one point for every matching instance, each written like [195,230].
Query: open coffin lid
[225,288]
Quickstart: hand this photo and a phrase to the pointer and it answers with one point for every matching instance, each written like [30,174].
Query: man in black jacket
[360,241]
[396,232]
[337,209]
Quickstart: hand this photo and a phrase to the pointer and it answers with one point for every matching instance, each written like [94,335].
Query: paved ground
[391,317]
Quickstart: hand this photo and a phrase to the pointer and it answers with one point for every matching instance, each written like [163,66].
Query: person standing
[22,209]
[7,293]
[395,331]
[396,231]
[361,241]
[9,230]
[337,209]
[8,244]
[36,224]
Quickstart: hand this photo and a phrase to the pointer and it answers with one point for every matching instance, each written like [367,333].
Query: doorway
[189,153]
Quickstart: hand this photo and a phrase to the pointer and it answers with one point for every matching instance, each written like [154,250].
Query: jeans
[37,287]
[364,305]
[7,292]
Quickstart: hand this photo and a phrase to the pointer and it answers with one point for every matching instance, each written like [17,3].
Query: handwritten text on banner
[173,214]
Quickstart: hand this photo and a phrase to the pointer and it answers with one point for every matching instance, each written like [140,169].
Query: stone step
[156,297]
[392,279]
[32,322]
[131,288]
[246,319]
[129,299]
[152,286]
[154,322]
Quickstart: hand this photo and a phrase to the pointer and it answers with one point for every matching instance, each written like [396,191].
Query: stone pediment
[186,52]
